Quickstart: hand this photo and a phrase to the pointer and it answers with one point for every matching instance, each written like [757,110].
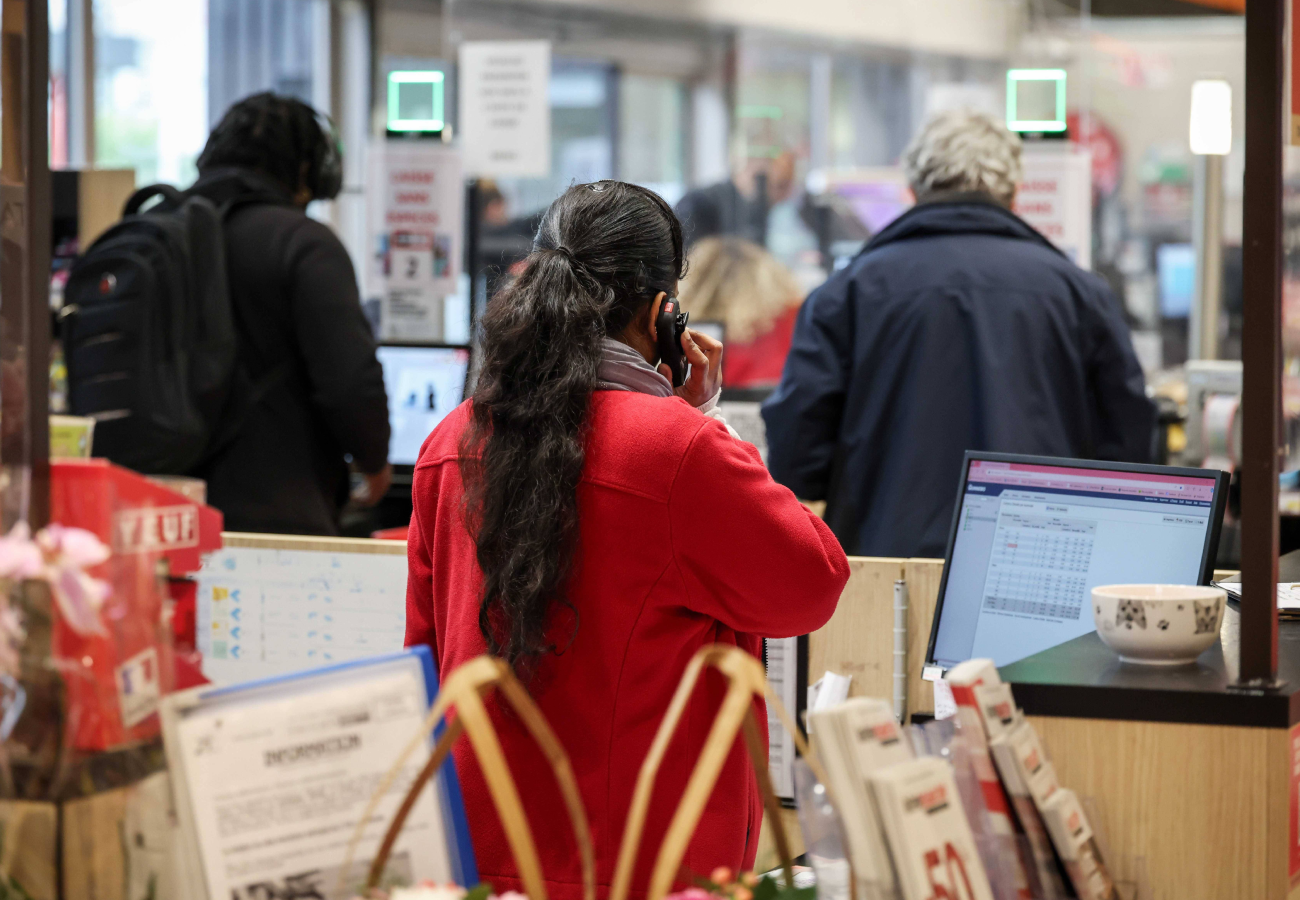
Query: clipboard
[270,776]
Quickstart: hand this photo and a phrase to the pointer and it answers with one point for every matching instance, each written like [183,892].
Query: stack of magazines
[1041,804]
[854,740]
[979,815]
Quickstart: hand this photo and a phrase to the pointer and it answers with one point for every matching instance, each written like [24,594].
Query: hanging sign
[416,213]
[1056,198]
[505,110]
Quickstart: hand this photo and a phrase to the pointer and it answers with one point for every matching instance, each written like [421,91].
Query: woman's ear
[652,326]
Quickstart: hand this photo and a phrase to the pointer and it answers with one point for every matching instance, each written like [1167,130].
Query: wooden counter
[1191,777]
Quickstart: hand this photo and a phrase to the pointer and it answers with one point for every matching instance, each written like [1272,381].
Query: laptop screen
[424,384]
[1033,539]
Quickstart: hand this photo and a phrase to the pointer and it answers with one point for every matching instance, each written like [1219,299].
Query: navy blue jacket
[958,327]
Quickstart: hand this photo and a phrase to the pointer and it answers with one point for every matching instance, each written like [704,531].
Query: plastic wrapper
[822,834]
[943,738]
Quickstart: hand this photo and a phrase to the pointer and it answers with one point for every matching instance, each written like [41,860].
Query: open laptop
[1032,536]
[424,384]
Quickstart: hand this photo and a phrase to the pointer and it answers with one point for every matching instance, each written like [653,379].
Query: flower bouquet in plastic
[723,885]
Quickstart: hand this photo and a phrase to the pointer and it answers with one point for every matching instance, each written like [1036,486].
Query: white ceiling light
[1210,129]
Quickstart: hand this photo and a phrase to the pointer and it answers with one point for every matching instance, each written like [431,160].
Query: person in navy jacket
[958,327]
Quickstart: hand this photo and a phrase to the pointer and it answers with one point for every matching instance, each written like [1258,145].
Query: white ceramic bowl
[1158,624]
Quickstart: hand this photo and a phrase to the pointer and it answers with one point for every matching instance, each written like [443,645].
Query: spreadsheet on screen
[1033,540]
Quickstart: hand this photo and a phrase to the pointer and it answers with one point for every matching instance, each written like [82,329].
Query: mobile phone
[671,325]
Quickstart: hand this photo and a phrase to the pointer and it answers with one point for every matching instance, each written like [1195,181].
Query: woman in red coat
[581,519]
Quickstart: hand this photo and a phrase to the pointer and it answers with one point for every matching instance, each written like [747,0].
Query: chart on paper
[264,612]
[1039,565]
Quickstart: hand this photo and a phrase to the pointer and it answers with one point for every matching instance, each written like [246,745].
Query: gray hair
[964,151]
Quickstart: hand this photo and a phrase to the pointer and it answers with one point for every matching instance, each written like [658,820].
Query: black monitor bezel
[408,469]
[1208,552]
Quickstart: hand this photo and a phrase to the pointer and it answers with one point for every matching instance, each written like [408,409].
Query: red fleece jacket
[685,541]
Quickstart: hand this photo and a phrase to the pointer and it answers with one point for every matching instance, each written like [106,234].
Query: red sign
[115,680]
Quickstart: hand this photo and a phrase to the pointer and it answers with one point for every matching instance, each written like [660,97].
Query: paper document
[782,674]
[272,779]
[269,612]
[1288,593]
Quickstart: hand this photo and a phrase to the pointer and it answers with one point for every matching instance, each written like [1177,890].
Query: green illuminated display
[415,101]
[1036,100]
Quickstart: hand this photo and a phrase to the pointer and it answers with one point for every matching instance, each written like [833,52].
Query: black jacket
[309,354]
[958,327]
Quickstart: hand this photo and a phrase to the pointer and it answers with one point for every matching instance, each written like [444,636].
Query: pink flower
[72,546]
[19,556]
[66,554]
[692,893]
[79,598]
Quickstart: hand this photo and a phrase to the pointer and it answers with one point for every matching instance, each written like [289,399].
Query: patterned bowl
[1158,624]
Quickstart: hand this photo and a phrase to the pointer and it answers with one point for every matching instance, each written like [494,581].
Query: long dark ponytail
[602,253]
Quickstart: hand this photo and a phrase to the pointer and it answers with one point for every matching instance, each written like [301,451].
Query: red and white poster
[416,209]
[1056,198]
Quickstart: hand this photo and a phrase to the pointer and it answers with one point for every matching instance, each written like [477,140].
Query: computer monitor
[1032,536]
[424,384]
[1176,274]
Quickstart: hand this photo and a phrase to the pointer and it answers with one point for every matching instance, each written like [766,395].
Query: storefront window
[151,86]
[583,123]
[165,71]
[650,147]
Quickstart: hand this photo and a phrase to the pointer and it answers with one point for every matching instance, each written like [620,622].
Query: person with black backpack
[219,332]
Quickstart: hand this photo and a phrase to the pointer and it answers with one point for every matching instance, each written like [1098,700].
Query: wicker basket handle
[465,690]
[745,679]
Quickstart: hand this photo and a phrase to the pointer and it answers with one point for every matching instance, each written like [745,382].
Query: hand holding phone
[702,353]
[670,327]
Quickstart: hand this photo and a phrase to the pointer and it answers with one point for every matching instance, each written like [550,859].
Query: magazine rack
[745,680]
[465,690]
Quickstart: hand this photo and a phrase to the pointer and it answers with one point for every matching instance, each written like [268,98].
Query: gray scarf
[623,369]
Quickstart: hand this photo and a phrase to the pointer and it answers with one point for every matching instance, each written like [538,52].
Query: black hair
[281,137]
[602,253]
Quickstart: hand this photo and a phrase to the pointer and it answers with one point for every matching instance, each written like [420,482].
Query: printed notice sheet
[271,780]
[782,668]
[264,612]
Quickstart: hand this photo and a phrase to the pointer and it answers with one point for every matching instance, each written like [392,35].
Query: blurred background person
[315,390]
[740,285]
[958,327]
[740,205]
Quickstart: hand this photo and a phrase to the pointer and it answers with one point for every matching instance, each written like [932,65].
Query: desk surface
[1083,678]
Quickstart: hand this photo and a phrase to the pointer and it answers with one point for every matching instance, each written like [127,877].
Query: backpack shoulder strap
[259,198]
[246,395]
[170,195]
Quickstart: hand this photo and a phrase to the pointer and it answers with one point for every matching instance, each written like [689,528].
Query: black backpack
[149,334]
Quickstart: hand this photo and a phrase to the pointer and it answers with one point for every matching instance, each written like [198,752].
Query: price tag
[137,687]
[945,707]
